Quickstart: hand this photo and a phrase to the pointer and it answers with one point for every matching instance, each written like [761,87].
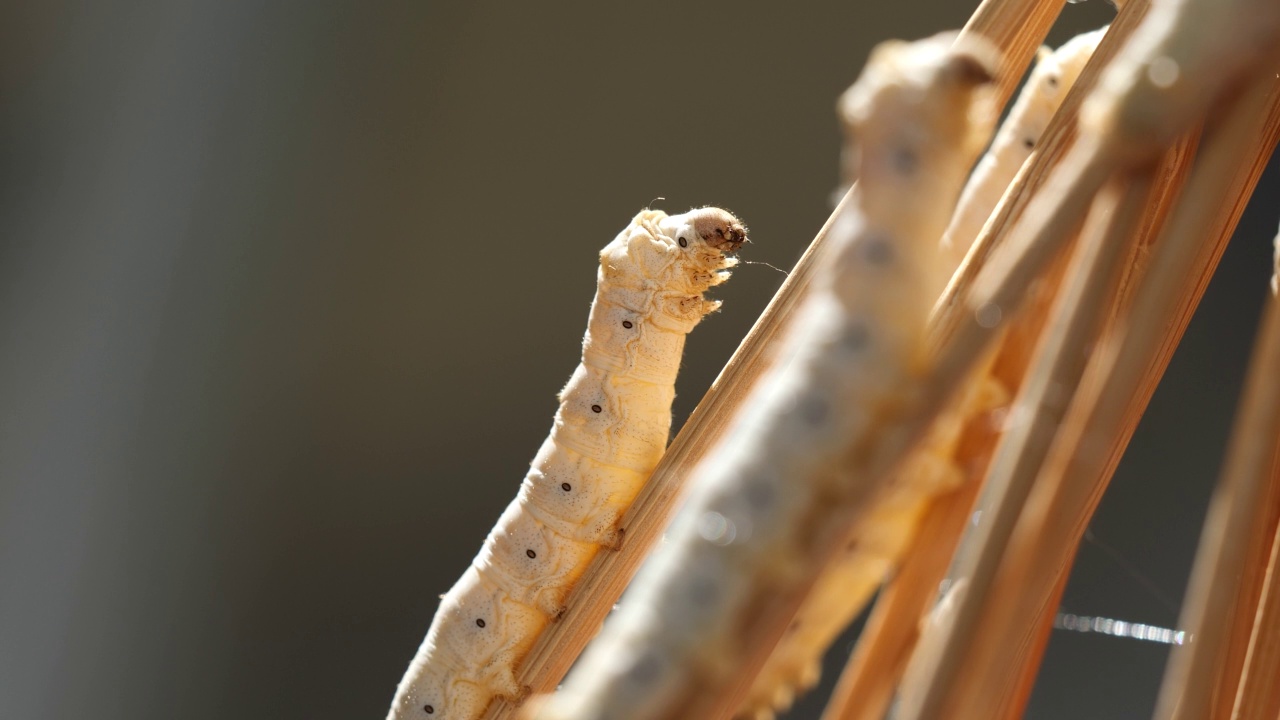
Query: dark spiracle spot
[855,337]
[905,160]
[531,554]
[645,670]
[1028,143]
[429,709]
[1052,80]
[814,410]
[876,249]
[479,623]
[596,408]
[702,591]
[683,242]
[759,495]
[627,324]
[566,487]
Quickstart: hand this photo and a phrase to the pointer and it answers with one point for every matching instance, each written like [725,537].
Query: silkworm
[1041,96]
[876,546]
[760,500]
[608,434]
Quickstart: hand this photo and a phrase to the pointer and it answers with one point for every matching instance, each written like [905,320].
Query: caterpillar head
[1059,71]
[700,242]
[916,104]
[1054,74]
[682,254]
[672,260]
[712,227]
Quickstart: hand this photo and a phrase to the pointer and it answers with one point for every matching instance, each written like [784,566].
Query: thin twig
[982,691]
[1247,631]
[1111,397]
[1236,514]
[1259,694]
[931,680]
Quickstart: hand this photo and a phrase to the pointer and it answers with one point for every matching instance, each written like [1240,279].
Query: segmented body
[877,544]
[609,432]
[761,496]
[1041,96]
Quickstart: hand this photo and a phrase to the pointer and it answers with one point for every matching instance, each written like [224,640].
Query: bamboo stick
[1071,183]
[1014,27]
[934,672]
[1236,514]
[1082,171]
[1244,631]
[1116,388]
[1259,694]
[983,692]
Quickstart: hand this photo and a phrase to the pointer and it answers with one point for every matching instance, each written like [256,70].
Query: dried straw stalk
[881,654]
[1110,400]
[1238,512]
[1115,218]
[1248,632]
[1259,695]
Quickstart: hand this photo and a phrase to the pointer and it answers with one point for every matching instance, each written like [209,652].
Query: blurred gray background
[287,290]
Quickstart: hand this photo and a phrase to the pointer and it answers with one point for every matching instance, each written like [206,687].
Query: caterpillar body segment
[761,500]
[608,434]
[869,554]
[1040,98]
[876,546]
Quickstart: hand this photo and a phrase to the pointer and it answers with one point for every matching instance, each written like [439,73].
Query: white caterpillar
[609,432]
[877,544]
[760,497]
[1040,98]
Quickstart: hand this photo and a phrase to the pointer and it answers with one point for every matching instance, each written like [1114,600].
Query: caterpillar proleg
[610,430]
[764,501]
[877,544]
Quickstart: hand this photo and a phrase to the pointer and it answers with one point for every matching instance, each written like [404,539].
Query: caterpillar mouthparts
[727,239]
[718,229]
